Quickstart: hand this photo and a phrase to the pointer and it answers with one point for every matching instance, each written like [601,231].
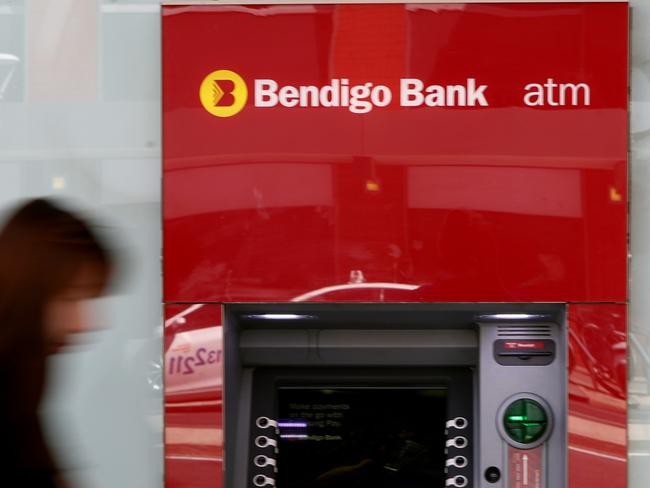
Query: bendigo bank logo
[223,93]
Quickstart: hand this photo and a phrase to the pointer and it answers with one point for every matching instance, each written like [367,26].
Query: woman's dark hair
[43,248]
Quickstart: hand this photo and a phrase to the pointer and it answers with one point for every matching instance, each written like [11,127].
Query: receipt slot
[394,395]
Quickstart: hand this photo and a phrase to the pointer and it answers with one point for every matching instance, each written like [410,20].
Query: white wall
[639,320]
[80,118]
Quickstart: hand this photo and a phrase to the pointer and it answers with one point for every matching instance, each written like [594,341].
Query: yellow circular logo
[223,93]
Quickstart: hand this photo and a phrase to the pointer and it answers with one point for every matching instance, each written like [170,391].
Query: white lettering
[345,93]
[535,97]
[575,89]
[442,95]
[475,95]
[309,96]
[363,98]
[456,95]
[556,94]
[289,96]
[330,94]
[411,92]
[381,96]
[550,84]
[265,93]
[436,96]
[358,99]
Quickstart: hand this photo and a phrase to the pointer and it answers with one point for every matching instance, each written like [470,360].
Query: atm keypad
[458,451]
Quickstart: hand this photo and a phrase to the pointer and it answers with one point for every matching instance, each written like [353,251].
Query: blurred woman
[50,263]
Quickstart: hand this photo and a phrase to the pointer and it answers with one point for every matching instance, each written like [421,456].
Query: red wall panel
[597,396]
[498,203]
[193,364]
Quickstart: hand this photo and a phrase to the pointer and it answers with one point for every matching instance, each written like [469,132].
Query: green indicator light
[525,421]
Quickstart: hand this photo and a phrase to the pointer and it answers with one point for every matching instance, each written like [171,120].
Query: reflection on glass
[361,438]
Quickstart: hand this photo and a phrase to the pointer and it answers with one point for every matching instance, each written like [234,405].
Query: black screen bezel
[457,381]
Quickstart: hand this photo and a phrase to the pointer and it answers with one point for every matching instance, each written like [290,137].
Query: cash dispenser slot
[273,347]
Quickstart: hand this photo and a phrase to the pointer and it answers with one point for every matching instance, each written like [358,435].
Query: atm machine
[395,296]
[395,395]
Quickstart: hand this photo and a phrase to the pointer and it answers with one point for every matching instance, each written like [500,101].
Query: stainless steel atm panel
[395,395]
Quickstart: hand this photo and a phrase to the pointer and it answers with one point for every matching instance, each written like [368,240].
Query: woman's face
[68,312]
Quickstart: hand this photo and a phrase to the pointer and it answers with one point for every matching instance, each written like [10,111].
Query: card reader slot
[525,353]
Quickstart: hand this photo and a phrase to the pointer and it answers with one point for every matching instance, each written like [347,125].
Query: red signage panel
[402,152]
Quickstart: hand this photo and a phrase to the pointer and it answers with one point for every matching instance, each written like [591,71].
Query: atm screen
[361,437]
